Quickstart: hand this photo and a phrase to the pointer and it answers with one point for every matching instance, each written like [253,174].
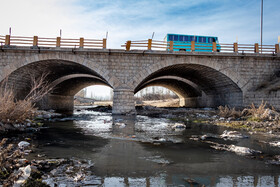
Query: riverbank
[18,169]
[155,103]
[51,169]
[270,125]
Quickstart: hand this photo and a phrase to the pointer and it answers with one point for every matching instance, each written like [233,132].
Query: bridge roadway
[199,79]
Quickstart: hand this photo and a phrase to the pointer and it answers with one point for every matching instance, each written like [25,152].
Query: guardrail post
[35,41]
[277,49]
[214,47]
[81,43]
[128,44]
[58,40]
[192,45]
[150,44]
[104,43]
[235,47]
[256,50]
[8,40]
[171,43]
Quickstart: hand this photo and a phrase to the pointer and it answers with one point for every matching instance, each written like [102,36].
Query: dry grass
[229,112]
[260,113]
[14,111]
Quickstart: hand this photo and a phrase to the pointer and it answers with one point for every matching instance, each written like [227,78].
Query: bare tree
[39,87]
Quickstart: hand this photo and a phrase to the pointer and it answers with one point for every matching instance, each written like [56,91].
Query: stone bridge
[199,79]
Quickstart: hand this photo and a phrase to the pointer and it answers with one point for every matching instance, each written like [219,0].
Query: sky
[138,19]
[230,20]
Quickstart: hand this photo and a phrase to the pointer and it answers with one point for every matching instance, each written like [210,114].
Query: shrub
[229,112]
[13,111]
[260,113]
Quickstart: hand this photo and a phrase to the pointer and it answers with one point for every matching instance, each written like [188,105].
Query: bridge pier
[212,101]
[198,102]
[192,102]
[123,102]
[58,103]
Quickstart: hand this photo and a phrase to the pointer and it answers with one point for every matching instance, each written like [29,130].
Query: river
[146,151]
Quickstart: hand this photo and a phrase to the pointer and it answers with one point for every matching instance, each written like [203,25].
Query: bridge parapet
[36,41]
[149,44]
[223,47]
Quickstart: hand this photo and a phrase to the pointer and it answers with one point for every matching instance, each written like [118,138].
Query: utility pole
[261,25]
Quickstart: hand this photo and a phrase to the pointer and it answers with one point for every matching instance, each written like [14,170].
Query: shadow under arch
[182,88]
[196,85]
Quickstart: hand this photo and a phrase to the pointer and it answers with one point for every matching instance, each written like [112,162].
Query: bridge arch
[216,63]
[197,85]
[72,84]
[183,88]
[91,63]
[67,78]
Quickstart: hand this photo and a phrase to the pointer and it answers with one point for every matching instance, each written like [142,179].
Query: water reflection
[164,180]
[123,125]
[64,140]
[143,151]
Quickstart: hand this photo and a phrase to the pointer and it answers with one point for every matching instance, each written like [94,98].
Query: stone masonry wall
[123,102]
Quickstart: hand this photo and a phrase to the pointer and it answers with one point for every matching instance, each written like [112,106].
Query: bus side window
[175,37]
[192,38]
[181,38]
[202,39]
[170,37]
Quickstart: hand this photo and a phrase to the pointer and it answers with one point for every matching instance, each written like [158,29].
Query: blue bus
[202,43]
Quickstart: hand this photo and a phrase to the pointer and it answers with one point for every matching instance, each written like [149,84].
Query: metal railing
[36,41]
[192,46]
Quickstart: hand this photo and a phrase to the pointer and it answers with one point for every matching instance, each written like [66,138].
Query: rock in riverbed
[275,143]
[243,150]
[178,126]
[24,173]
[23,144]
[234,148]
[232,135]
